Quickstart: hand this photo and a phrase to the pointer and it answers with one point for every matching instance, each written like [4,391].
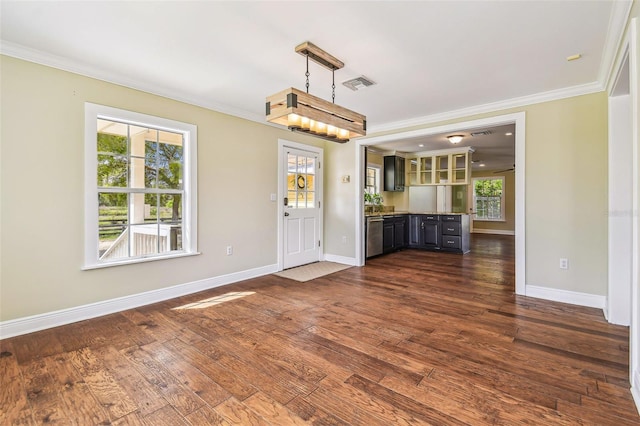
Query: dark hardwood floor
[411,338]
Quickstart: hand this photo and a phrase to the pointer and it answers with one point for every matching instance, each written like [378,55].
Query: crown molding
[54,61]
[552,95]
[43,58]
[615,35]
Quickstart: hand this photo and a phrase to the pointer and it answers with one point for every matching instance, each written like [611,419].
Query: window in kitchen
[140,187]
[488,198]
[372,184]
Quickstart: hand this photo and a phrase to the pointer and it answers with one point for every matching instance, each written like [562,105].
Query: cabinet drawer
[451,218]
[449,241]
[451,228]
[431,217]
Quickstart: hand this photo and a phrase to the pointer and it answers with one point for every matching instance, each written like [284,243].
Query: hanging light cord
[307,73]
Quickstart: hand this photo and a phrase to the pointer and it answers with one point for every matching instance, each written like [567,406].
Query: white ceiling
[492,151]
[428,58]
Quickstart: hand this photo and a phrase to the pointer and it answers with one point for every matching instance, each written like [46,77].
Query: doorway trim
[515,118]
[627,61]
[283,144]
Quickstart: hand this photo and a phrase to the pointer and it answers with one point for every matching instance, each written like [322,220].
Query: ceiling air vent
[358,83]
[482,133]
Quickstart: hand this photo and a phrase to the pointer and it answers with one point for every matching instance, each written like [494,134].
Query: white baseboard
[493,231]
[351,261]
[565,296]
[635,390]
[38,322]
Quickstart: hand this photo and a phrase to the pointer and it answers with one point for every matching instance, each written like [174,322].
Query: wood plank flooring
[412,338]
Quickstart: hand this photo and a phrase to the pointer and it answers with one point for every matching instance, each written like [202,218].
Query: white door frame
[516,118]
[620,220]
[630,61]
[282,145]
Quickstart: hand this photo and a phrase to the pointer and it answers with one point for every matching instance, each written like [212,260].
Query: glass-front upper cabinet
[442,169]
[459,171]
[445,167]
[412,171]
[426,170]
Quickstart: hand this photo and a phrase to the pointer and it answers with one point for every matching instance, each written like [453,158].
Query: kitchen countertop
[399,213]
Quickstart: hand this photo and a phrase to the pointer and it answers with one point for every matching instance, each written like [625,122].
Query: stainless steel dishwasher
[374,236]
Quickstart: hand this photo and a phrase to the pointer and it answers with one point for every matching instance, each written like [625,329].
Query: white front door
[301,226]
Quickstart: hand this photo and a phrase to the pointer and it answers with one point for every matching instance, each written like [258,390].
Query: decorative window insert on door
[301,184]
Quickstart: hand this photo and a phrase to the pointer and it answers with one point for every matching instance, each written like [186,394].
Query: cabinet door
[426,170]
[415,229]
[400,175]
[399,233]
[389,173]
[431,234]
[442,169]
[387,236]
[393,173]
[459,164]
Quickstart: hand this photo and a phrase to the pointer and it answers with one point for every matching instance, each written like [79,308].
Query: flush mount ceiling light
[455,138]
[302,112]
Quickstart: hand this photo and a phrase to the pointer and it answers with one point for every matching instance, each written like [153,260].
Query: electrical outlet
[564,263]
[229,250]
[344,239]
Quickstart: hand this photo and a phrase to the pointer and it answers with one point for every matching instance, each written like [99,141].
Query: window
[140,187]
[372,184]
[301,180]
[488,198]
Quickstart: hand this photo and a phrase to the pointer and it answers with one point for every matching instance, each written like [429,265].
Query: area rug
[311,271]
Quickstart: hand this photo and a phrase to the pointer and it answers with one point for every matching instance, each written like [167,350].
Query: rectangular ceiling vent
[358,83]
[482,133]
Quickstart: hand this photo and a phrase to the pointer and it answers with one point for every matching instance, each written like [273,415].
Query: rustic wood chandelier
[302,112]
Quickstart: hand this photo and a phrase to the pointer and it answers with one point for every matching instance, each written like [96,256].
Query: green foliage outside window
[488,198]
[488,187]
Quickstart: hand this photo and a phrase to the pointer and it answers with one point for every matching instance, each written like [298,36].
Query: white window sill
[489,220]
[135,260]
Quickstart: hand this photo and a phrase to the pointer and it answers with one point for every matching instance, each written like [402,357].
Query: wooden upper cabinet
[446,167]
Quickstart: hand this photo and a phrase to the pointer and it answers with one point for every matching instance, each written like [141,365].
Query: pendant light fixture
[302,112]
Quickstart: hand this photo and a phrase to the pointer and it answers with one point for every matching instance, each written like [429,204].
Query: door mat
[311,271]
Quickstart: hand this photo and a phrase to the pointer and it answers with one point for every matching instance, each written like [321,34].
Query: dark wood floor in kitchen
[412,338]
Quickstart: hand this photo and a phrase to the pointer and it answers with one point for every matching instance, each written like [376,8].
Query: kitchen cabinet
[424,231]
[394,233]
[387,235]
[455,233]
[446,167]
[400,232]
[439,232]
[394,170]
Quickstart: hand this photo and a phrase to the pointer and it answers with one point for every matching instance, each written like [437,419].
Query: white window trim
[190,182]
[502,201]
[378,174]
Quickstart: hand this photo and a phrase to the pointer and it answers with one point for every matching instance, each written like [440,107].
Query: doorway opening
[516,119]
